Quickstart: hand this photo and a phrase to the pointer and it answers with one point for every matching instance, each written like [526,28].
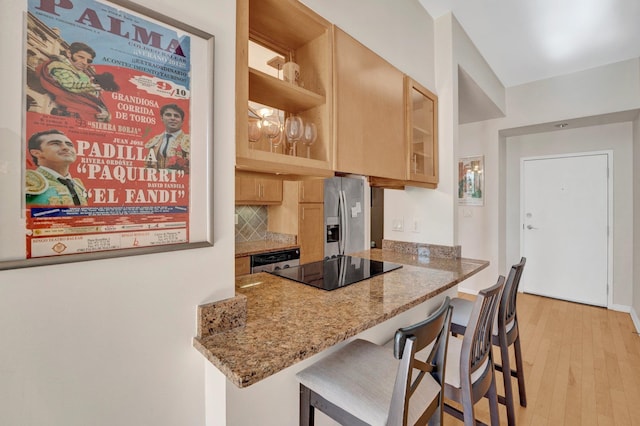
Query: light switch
[398,225]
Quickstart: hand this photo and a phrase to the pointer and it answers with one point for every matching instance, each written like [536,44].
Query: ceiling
[529,40]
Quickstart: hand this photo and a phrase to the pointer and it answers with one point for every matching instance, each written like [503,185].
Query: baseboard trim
[467,291]
[635,319]
[620,308]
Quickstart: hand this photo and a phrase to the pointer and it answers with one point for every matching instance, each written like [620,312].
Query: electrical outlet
[415,225]
[398,225]
[236,218]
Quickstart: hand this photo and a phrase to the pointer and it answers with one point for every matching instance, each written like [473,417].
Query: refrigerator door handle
[344,223]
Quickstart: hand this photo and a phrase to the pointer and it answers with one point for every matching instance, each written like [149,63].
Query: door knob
[531,227]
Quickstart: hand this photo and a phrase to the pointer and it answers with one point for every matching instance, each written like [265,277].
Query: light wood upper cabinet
[257,189]
[369,112]
[293,31]
[311,191]
[422,132]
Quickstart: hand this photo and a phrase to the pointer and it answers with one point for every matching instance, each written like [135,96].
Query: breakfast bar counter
[273,322]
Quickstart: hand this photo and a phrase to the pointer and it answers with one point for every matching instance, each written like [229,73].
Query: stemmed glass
[309,136]
[293,129]
[255,132]
[278,139]
[271,127]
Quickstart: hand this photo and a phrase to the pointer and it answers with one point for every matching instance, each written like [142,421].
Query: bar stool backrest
[507,308]
[476,344]
[408,341]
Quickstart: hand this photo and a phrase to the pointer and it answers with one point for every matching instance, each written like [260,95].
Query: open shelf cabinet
[297,34]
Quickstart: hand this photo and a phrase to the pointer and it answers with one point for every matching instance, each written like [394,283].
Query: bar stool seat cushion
[462,311]
[360,378]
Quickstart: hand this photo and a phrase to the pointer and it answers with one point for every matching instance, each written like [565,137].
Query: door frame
[609,154]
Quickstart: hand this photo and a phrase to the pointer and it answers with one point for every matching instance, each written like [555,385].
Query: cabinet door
[243,265]
[270,190]
[254,188]
[422,119]
[368,95]
[311,232]
[246,188]
[311,191]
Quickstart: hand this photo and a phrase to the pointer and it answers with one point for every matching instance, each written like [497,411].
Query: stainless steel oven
[272,261]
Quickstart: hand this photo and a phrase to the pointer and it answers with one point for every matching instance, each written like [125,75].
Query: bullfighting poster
[107,145]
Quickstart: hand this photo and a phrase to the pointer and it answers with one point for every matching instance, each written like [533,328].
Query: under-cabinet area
[295,220]
[301,213]
[311,100]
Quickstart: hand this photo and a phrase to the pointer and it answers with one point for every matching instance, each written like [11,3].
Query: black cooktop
[336,272]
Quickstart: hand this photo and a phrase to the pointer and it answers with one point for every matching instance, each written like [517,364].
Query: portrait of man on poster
[51,183]
[171,148]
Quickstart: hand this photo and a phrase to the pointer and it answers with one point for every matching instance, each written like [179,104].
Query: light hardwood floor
[582,366]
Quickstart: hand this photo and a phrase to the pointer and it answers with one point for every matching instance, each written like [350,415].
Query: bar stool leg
[508,387]
[520,372]
[306,409]
[493,403]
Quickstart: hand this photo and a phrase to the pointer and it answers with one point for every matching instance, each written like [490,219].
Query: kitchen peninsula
[283,322]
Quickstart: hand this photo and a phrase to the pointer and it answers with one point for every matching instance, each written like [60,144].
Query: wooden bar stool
[364,384]
[469,365]
[505,333]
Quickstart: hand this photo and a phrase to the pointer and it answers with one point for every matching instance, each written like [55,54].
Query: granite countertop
[269,338]
[262,246]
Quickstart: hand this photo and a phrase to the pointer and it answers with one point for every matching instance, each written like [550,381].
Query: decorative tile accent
[423,249]
[222,316]
[252,223]
[252,226]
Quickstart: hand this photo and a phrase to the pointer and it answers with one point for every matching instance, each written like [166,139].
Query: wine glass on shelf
[276,141]
[309,136]
[293,129]
[271,126]
[255,131]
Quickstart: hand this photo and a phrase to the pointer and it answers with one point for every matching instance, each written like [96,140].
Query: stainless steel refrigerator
[343,216]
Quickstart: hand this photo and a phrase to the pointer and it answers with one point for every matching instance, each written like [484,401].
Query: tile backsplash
[252,223]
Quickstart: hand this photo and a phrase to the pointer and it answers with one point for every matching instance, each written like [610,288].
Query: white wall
[109,342]
[635,312]
[400,32]
[615,137]
[433,209]
[591,93]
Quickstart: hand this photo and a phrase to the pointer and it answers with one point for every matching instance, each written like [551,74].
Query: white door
[564,223]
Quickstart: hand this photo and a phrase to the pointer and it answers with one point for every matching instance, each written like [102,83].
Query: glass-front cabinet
[283,88]
[422,133]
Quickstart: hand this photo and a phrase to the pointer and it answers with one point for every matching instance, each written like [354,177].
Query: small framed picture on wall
[471,181]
